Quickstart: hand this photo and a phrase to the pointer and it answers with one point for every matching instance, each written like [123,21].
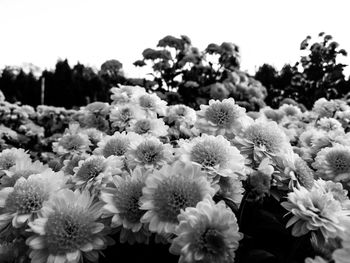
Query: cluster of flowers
[140,170]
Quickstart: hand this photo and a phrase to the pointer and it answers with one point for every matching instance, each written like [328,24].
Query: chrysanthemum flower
[272,114]
[9,157]
[333,163]
[181,114]
[122,201]
[122,115]
[324,108]
[97,170]
[124,94]
[148,127]
[213,152]
[25,199]
[263,139]
[337,190]
[221,118]
[329,124]
[232,188]
[206,233]
[151,104]
[170,190]
[117,144]
[313,210]
[67,229]
[291,110]
[72,142]
[70,164]
[22,168]
[149,152]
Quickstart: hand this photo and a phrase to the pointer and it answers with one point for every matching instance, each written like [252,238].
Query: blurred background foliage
[181,73]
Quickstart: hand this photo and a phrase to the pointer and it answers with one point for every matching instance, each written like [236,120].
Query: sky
[93,31]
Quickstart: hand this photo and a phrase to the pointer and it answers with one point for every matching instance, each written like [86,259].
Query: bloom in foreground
[67,229]
[313,210]
[169,190]
[24,200]
[122,201]
[221,117]
[333,163]
[206,233]
[213,152]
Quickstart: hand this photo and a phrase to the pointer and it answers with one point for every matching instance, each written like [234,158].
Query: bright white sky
[93,31]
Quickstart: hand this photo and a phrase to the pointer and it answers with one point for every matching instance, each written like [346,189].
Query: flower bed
[139,181]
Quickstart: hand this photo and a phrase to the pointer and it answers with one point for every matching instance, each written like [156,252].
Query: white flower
[67,229]
[213,152]
[122,115]
[206,233]
[315,210]
[9,157]
[122,201]
[222,118]
[329,124]
[124,94]
[151,104]
[24,200]
[333,163]
[170,190]
[149,152]
[148,127]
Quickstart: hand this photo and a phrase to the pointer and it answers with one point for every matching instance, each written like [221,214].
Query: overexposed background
[93,31]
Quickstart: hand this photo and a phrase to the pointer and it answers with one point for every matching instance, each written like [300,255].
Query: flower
[181,114]
[317,259]
[67,229]
[96,170]
[149,152]
[148,127]
[206,233]
[9,157]
[124,94]
[25,199]
[169,190]
[122,201]
[315,209]
[213,152]
[324,108]
[333,163]
[121,115]
[151,104]
[329,124]
[291,110]
[262,139]
[221,117]
[117,144]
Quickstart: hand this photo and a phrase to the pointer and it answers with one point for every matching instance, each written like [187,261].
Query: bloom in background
[329,124]
[149,152]
[124,94]
[206,233]
[222,118]
[213,152]
[71,163]
[260,180]
[263,139]
[336,189]
[148,127]
[67,229]
[151,104]
[122,201]
[117,144]
[315,210]
[96,170]
[324,108]
[72,142]
[333,163]
[122,115]
[168,191]
[291,110]
[181,114]
[24,200]
[9,157]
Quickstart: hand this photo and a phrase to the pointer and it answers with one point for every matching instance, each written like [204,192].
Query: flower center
[340,161]
[127,201]
[116,147]
[146,101]
[212,241]
[149,152]
[72,142]
[174,194]
[7,161]
[142,126]
[221,114]
[208,153]
[68,230]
